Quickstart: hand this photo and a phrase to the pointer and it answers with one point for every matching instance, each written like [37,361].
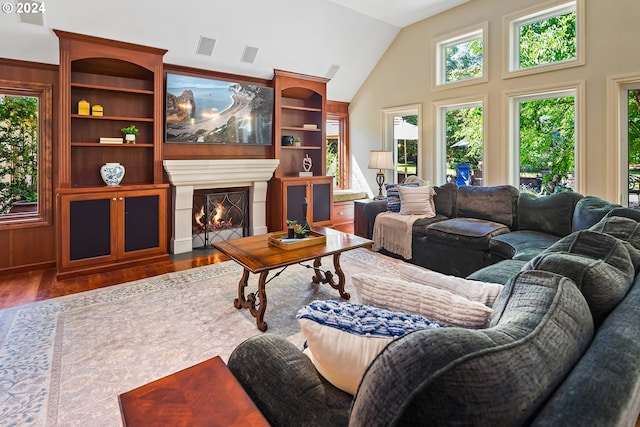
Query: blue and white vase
[112,173]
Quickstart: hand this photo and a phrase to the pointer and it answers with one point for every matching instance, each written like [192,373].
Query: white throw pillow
[433,303]
[417,200]
[344,338]
[474,290]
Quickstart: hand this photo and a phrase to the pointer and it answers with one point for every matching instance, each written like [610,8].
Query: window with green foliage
[460,57]
[460,134]
[25,153]
[546,141]
[18,150]
[548,36]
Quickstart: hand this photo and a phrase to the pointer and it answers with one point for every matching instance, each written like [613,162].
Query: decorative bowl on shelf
[112,173]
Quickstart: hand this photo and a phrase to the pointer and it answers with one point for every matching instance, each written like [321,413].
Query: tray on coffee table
[280,240]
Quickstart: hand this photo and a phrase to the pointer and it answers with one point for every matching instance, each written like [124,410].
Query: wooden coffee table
[256,255]
[206,394]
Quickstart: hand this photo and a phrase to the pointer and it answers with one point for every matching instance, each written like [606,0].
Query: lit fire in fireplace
[216,221]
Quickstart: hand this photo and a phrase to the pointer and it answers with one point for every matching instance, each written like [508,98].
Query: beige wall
[404,76]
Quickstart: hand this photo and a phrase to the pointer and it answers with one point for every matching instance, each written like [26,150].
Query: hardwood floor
[37,285]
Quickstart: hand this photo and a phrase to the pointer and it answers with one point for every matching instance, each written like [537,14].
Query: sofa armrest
[285,385]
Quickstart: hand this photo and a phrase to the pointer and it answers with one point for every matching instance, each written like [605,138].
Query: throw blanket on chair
[392,231]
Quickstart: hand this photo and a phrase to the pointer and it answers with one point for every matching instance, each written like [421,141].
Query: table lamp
[380,160]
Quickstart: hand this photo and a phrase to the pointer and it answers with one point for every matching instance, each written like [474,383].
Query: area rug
[64,361]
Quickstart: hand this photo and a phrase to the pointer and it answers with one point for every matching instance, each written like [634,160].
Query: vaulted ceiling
[340,39]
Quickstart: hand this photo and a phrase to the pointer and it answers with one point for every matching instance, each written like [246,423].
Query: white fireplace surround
[189,175]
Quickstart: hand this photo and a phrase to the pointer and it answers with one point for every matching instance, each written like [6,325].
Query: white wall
[404,76]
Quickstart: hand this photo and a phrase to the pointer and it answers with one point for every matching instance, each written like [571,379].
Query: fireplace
[219,215]
[188,176]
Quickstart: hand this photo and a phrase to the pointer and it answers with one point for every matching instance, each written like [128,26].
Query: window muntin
[460,57]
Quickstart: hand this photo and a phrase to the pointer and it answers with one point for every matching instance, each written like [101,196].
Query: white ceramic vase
[112,173]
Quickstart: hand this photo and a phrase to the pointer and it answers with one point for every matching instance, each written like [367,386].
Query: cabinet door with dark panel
[141,222]
[296,196]
[322,202]
[88,228]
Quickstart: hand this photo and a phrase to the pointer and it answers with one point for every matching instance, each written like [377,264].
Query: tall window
[333,147]
[337,143]
[25,153]
[460,56]
[630,124]
[460,133]
[545,141]
[401,130]
[546,37]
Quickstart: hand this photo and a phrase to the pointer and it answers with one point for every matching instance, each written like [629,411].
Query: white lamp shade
[379,159]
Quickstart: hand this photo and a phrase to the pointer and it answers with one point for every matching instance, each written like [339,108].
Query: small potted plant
[297,142]
[130,133]
[300,231]
[291,223]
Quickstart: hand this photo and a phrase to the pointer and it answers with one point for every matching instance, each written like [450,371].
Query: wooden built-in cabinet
[127,81]
[291,194]
[300,112]
[111,225]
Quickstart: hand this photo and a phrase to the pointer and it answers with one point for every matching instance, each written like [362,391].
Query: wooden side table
[360,222]
[206,394]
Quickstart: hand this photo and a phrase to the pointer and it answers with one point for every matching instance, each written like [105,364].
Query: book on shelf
[309,126]
[104,140]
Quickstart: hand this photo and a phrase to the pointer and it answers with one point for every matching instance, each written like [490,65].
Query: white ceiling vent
[332,71]
[205,46]
[32,13]
[249,54]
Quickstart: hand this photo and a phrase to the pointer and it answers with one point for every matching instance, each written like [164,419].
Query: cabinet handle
[114,199]
[121,198]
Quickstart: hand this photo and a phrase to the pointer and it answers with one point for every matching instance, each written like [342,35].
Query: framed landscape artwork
[202,110]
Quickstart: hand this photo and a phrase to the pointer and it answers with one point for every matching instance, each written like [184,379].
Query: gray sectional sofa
[561,348]
[479,226]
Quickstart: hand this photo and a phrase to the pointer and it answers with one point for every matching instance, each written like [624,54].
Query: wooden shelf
[111,88]
[116,118]
[302,147]
[300,129]
[97,144]
[298,108]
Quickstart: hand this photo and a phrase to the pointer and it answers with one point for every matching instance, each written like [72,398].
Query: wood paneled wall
[29,247]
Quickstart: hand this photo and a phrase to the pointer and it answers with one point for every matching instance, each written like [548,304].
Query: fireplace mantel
[188,175]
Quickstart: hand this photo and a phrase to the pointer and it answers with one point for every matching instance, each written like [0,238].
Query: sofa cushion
[343,338]
[500,272]
[551,214]
[473,290]
[589,210]
[416,298]
[497,204]
[393,195]
[417,200]
[598,263]
[521,244]
[445,199]
[492,377]
[625,229]
[472,233]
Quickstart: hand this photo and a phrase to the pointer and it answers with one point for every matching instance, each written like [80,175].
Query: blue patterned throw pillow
[393,195]
[344,338]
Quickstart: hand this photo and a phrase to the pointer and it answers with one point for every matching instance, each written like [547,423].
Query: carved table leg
[327,277]
[250,301]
